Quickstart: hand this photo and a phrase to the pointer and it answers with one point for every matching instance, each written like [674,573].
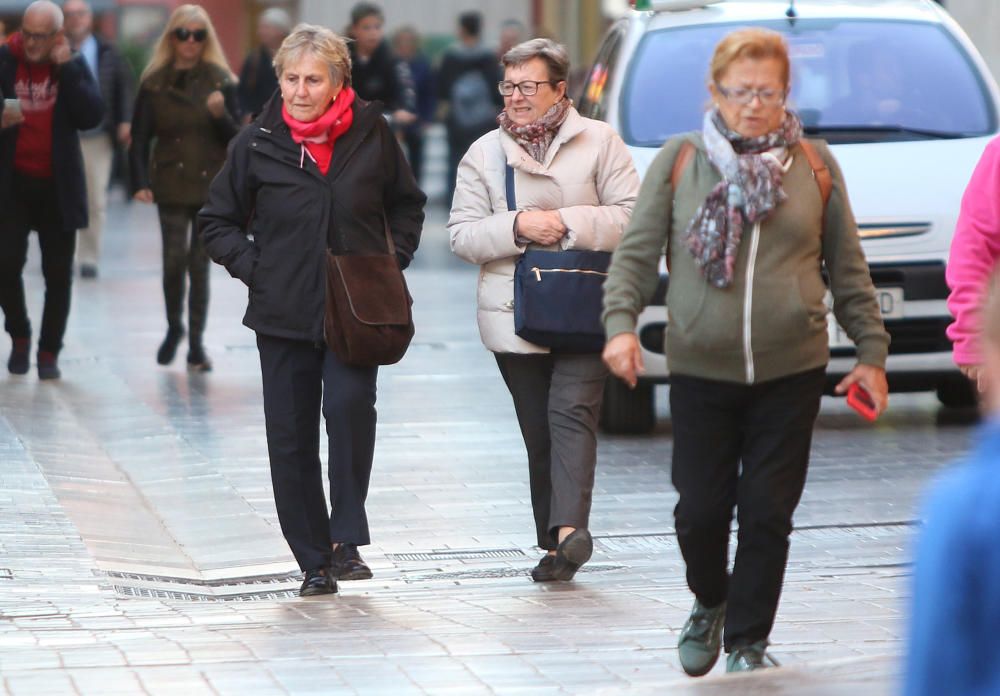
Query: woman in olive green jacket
[749,231]
[185,114]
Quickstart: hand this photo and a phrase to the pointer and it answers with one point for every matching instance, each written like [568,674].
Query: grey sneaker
[701,639]
[747,658]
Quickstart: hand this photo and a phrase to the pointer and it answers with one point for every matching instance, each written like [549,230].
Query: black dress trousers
[302,380]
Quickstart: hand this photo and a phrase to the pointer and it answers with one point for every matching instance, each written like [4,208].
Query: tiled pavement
[139,550]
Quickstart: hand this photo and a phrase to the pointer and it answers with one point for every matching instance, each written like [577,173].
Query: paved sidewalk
[140,553]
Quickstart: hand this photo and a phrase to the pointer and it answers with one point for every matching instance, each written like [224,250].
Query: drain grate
[6,574]
[496,573]
[154,593]
[470,555]
[279,578]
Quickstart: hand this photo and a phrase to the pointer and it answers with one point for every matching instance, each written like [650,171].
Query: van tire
[957,392]
[627,411]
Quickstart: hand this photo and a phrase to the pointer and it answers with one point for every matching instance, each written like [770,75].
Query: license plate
[890,301]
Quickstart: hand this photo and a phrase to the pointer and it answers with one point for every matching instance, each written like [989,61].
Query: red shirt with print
[35,85]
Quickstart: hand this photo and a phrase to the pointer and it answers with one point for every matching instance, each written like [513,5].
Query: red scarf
[36,86]
[319,136]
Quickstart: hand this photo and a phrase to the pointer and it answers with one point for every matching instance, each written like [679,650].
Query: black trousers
[301,380]
[745,446]
[414,139]
[34,206]
[557,398]
[184,257]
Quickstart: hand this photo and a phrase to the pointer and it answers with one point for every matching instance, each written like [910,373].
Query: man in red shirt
[42,185]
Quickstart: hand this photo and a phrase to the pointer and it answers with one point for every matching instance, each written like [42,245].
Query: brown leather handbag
[368,318]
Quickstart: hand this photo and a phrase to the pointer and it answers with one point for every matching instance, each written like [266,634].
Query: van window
[852,81]
[594,96]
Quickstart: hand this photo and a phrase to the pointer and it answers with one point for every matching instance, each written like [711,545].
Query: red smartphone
[861,401]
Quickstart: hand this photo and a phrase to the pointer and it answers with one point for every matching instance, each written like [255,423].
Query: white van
[907,105]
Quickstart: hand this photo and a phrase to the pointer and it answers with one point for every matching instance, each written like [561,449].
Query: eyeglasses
[183,34]
[744,95]
[32,36]
[529,88]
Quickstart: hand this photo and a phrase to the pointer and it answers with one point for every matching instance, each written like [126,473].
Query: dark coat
[190,144]
[78,107]
[115,80]
[258,81]
[270,191]
[384,78]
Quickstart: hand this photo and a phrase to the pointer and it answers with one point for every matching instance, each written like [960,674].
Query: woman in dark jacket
[187,104]
[318,168]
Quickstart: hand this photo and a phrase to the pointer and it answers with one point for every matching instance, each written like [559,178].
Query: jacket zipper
[539,271]
[748,303]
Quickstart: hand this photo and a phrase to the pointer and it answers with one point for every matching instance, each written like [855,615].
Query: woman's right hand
[143,195]
[623,356]
[976,375]
[542,226]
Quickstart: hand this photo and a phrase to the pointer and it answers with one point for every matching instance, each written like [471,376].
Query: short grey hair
[48,7]
[554,55]
[322,43]
[276,17]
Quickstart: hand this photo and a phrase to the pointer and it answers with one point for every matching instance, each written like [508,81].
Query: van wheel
[627,411]
[957,392]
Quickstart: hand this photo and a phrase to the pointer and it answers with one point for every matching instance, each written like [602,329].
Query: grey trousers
[557,398]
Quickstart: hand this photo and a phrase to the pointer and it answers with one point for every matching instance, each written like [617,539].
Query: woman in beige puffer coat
[575,186]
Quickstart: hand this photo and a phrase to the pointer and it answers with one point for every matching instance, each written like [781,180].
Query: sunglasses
[182,34]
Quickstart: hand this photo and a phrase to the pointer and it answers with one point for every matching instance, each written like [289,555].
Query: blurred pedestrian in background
[741,208]
[99,144]
[575,189]
[466,86]
[378,74]
[955,608]
[975,249]
[42,185]
[318,166]
[185,114]
[406,43]
[258,81]
[512,32]
[3,32]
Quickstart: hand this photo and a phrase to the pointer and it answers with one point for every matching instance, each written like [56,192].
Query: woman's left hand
[216,104]
[873,380]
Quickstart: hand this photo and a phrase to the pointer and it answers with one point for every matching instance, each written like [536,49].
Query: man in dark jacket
[42,187]
[467,82]
[108,67]
[376,73]
[257,79]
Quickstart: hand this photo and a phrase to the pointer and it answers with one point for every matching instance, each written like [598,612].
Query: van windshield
[852,81]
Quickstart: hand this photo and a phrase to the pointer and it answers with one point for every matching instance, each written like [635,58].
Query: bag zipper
[539,271]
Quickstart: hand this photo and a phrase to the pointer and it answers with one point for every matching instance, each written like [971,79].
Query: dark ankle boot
[168,349]
[20,356]
[197,359]
[48,366]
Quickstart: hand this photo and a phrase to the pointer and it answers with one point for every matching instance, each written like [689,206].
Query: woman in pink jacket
[975,250]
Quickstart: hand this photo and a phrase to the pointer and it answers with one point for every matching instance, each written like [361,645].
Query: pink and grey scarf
[749,191]
[536,137]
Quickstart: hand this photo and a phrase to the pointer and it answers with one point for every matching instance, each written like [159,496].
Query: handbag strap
[509,184]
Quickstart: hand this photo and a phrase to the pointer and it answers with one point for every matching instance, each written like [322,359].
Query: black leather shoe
[168,349]
[317,581]
[573,552]
[20,356]
[347,563]
[543,571]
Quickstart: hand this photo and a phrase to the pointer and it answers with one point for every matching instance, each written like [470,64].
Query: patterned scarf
[536,137]
[749,191]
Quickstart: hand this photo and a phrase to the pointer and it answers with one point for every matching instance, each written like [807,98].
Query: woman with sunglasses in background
[187,104]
